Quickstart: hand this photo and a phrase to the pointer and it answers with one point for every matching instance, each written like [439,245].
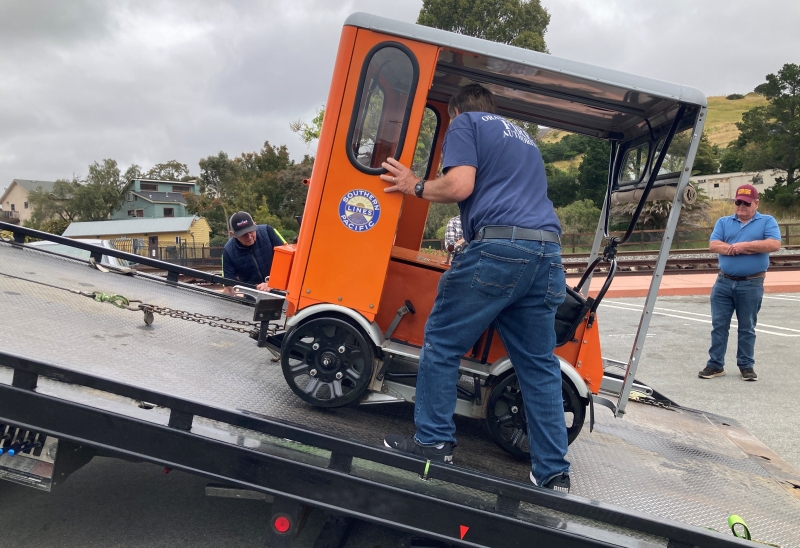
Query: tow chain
[212,321]
[134,305]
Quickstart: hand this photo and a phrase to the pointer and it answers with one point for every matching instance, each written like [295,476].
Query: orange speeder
[359,290]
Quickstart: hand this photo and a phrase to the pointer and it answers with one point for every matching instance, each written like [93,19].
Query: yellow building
[144,236]
[14,201]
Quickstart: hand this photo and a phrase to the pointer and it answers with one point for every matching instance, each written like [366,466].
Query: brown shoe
[709,373]
[748,374]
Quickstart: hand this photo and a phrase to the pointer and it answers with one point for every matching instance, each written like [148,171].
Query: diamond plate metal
[674,464]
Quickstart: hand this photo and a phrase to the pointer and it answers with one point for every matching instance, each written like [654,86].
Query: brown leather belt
[743,278]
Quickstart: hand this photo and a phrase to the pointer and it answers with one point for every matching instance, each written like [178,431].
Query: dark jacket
[252,264]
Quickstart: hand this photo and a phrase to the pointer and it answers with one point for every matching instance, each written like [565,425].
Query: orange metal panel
[281,266]
[590,357]
[333,109]
[411,227]
[343,266]
[412,276]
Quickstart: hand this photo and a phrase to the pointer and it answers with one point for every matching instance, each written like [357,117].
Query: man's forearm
[443,190]
[759,246]
[717,246]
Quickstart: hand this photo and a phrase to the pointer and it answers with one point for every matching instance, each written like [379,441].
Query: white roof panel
[129,226]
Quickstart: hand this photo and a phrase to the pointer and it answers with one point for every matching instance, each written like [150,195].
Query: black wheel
[505,414]
[327,362]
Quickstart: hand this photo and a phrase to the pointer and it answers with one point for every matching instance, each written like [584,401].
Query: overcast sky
[146,82]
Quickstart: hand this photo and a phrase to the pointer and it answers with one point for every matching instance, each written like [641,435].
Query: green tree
[580,216]
[56,204]
[770,135]
[562,185]
[706,161]
[730,160]
[438,215]
[521,23]
[219,183]
[294,191]
[593,172]
[309,132]
[169,171]
[91,199]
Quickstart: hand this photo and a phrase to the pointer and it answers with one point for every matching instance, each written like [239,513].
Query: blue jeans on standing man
[518,284]
[729,296]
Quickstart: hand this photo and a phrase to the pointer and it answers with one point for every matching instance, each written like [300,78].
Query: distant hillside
[720,124]
[723,115]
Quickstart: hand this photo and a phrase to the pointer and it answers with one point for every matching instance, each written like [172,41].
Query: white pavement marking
[657,311]
[783,298]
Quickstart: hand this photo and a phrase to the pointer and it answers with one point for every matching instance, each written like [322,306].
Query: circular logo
[359,210]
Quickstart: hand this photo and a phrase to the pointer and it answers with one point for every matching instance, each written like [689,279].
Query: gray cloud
[147,81]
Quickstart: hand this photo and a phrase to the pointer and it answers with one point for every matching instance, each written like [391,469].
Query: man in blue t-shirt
[744,241]
[509,273]
[247,256]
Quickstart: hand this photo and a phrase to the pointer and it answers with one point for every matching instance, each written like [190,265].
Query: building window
[140,212]
[13,207]
[169,212]
[130,196]
[180,188]
[25,205]
[131,213]
[149,186]
[716,185]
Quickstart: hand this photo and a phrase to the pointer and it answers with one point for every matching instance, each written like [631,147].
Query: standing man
[247,256]
[452,233]
[509,273]
[744,241]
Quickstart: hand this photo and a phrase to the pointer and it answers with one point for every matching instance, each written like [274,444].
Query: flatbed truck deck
[206,400]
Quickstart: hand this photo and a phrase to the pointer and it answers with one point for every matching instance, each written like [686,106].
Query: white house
[722,186]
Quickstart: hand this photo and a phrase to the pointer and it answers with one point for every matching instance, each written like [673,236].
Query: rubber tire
[314,325]
[572,401]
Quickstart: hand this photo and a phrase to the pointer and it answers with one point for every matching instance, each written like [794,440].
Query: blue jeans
[743,297]
[518,285]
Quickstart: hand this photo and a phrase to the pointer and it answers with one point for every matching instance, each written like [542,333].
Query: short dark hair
[472,98]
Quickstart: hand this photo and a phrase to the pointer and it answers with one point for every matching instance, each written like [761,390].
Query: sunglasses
[742,203]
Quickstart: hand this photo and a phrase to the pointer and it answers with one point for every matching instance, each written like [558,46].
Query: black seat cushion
[570,315]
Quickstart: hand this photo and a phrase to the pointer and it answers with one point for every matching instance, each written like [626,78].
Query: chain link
[212,321]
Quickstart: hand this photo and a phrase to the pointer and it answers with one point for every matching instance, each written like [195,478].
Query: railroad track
[630,263]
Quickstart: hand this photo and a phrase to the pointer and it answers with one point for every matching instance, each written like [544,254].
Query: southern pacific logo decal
[359,210]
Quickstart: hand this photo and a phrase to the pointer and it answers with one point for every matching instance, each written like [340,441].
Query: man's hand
[734,249]
[263,286]
[400,176]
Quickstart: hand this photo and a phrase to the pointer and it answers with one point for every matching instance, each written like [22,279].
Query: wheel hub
[328,361]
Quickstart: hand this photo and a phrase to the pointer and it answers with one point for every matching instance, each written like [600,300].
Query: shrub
[734,97]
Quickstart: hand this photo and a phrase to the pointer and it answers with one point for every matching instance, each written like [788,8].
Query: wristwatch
[419,188]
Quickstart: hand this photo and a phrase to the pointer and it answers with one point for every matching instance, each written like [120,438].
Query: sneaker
[748,374]
[442,452]
[559,483]
[709,373]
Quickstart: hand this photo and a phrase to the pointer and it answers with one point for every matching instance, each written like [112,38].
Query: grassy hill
[720,124]
[723,115]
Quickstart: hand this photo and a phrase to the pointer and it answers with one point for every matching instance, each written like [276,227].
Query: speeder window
[383,104]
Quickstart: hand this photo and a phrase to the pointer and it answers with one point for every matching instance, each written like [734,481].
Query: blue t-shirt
[251,264]
[731,230]
[510,183]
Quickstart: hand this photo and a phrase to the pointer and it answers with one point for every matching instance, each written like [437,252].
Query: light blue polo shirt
[731,230]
